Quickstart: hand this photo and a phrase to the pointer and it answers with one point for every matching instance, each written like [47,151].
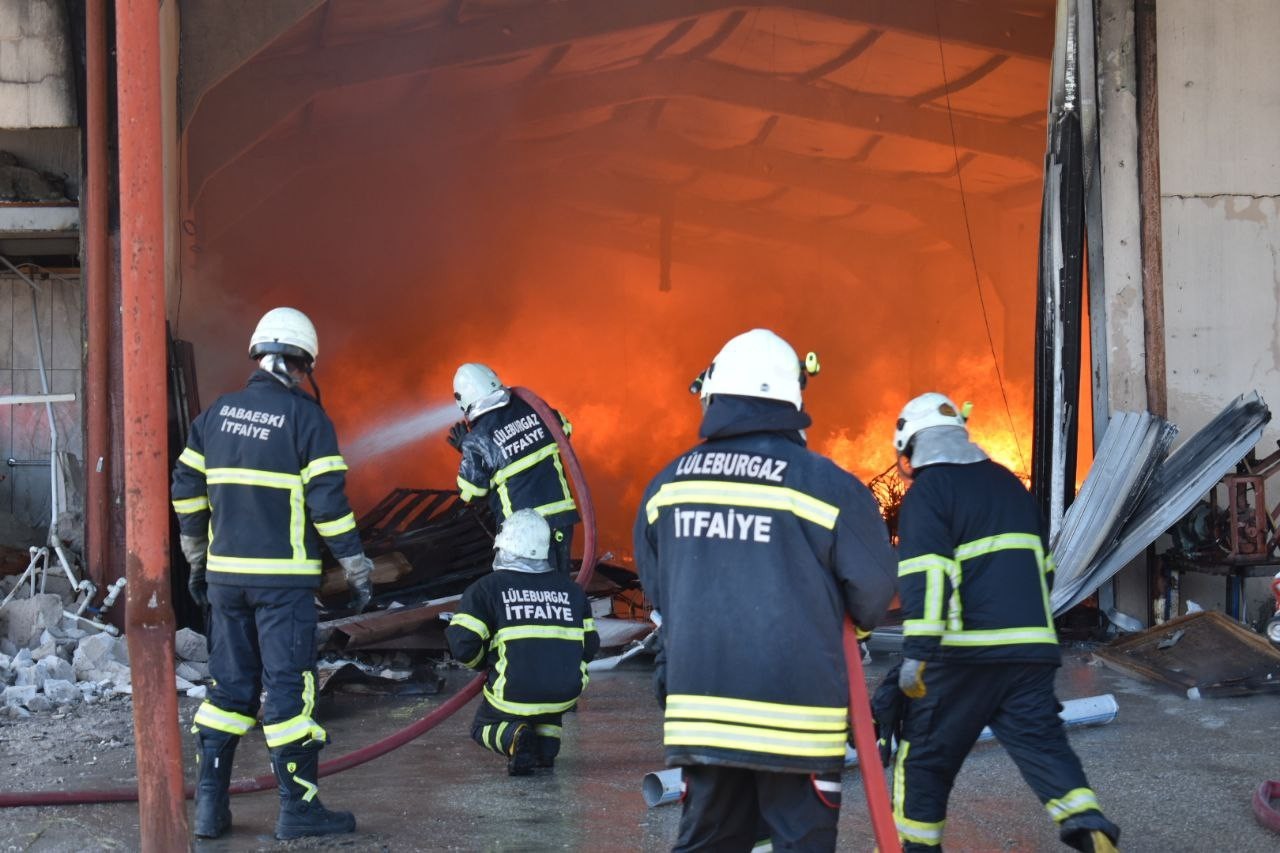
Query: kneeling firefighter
[980,646]
[754,548]
[509,456]
[531,627]
[258,486]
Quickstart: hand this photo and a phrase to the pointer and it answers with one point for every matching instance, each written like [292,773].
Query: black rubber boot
[547,750]
[521,759]
[1090,832]
[301,812]
[214,753]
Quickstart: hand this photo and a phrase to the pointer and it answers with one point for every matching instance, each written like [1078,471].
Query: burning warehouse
[1007,201]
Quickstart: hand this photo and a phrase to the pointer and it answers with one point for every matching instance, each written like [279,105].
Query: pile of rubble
[50,662]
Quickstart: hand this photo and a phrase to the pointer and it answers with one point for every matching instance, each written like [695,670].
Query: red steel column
[96,285]
[149,622]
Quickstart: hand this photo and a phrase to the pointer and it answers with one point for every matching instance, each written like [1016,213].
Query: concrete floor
[1177,775]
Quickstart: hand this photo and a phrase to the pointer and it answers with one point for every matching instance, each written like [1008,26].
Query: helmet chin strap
[276,365]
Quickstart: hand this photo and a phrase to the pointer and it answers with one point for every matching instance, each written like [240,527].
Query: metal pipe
[149,614]
[1149,207]
[96,284]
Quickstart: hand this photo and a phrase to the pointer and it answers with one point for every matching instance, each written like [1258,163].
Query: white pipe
[662,787]
[1075,713]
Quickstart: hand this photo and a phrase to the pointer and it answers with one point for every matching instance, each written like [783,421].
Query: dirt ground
[1176,774]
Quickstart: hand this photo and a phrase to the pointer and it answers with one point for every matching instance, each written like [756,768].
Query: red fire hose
[408,733]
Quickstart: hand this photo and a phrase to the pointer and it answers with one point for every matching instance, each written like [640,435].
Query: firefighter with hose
[260,483]
[753,548]
[510,458]
[980,646]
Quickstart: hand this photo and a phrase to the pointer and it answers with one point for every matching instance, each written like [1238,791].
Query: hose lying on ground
[409,732]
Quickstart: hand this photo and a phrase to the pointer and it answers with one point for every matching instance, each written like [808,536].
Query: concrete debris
[26,618]
[198,692]
[48,662]
[191,646]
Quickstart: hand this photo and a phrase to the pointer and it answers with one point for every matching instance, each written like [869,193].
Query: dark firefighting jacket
[510,457]
[974,572]
[753,548]
[262,477]
[534,633]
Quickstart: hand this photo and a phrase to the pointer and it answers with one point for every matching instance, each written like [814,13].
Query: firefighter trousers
[561,543]
[494,730]
[1018,702]
[262,637]
[735,809]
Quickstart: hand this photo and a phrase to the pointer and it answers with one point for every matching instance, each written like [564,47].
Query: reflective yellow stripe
[753,739]
[1049,564]
[300,727]
[470,490]
[750,712]
[252,477]
[919,832]
[497,737]
[187,506]
[537,632]
[923,563]
[553,508]
[548,730]
[999,542]
[524,463]
[753,495]
[471,623]
[262,566]
[323,465]
[588,624]
[1072,803]
[1000,637]
[210,716]
[192,459]
[337,526]
[923,627]
[565,426]
[524,709]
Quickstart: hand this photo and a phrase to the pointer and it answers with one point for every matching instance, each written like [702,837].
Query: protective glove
[911,678]
[359,570]
[196,550]
[888,708]
[456,433]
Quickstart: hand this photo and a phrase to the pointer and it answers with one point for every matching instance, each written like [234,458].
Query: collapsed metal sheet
[1177,483]
[1131,450]
[1205,655]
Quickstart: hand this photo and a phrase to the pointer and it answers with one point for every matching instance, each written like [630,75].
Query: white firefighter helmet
[472,383]
[285,331]
[757,363]
[524,534]
[927,410]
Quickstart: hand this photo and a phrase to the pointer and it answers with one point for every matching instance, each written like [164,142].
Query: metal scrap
[1172,489]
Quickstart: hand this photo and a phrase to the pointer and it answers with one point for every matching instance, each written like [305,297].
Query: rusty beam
[232,117]
[1149,207]
[97,284]
[149,621]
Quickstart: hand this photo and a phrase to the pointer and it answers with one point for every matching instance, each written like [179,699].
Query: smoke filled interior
[594,215]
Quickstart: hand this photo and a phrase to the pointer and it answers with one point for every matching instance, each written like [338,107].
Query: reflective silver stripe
[823,785]
[252,477]
[772,741]
[748,712]
[262,566]
[1072,803]
[323,465]
[212,717]
[1000,637]
[754,495]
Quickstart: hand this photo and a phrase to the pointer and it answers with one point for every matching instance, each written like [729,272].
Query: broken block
[26,618]
[18,695]
[191,673]
[61,692]
[191,645]
[54,668]
[94,653]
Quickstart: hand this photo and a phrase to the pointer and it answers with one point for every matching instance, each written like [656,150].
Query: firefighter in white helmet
[980,646]
[531,627]
[260,484]
[510,458]
[753,549]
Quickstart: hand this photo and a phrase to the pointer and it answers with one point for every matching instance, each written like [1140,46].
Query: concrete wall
[24,429]
[1220,188]
[37,87]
